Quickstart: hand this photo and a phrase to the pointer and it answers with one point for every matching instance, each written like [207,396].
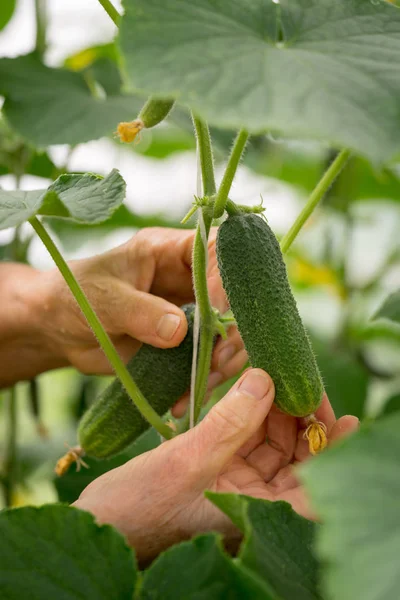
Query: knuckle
[226,418]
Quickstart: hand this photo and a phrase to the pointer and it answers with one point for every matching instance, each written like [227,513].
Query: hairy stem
[106,344]
[111,11]
[200,257]
[319,192]
[230,172]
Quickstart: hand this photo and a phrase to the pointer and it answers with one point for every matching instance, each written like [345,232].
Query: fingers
[343,427]
[269,458]
[225,351]
[233,421]
[149,319]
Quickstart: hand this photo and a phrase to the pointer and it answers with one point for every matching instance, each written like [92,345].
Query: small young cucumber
[255,280]
[153,112]
[163,376]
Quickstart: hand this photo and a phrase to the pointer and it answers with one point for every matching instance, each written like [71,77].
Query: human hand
[157,499]
[136,290]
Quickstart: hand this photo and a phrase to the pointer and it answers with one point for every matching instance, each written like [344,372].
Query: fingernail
[167,326]
[225,355]
[255,384]
[214,380]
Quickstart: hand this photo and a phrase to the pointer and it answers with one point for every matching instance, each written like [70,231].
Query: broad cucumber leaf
[83,198]
[390,309]
[59,552]
[7,8]
[308,68]
[277,544]
[56,106]
[200,570]
[355,490]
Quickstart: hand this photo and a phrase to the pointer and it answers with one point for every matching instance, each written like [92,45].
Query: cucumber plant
[298,68]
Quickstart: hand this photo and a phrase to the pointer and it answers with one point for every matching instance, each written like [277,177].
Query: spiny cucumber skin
[255,279]
[155,111]
[163,376]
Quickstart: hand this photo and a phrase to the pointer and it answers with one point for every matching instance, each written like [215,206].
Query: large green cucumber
[113,422]
[255,280]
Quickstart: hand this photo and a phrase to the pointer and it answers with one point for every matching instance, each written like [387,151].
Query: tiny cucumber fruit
[254,277]
[162,375]
[154,111]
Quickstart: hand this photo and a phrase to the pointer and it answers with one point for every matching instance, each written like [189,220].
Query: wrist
[25,350]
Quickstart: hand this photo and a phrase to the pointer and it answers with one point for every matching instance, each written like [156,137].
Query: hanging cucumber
[254,277]
[113,421]
[153,112]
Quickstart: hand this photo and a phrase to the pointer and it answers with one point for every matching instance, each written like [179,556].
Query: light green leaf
[59,552]
[390,309]
[308,68]
[355,489]
[83,198]
[200,570]
[277,544]
[55,106]
[7,8]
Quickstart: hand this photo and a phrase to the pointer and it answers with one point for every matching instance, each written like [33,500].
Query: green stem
[230,172]
[41,24]
[106,344]
[111,11]
[9,476]
[316,196]
[206,156]
[200,257]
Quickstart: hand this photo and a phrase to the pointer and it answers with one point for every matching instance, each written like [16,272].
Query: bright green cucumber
[163,376]
[255,280]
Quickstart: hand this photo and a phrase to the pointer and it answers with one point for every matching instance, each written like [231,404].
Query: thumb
[150,319]
[234,420]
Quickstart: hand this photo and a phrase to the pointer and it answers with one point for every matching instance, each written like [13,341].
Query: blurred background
[343,264]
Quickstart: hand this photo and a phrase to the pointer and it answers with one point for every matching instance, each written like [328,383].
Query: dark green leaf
[83,198]
[71,485]
[59,552]
[392,405]
[7,8]
[277,544]
[310,68]
[345,380]
[200,570]
[55,106]
[355,489]
[390,309]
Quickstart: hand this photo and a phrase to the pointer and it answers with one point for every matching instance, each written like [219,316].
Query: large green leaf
[200,570]
[277,544]
[309,68]
[59,552]
[7,8]
[355,489]
[83,198]
[390,309]
[56,106]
